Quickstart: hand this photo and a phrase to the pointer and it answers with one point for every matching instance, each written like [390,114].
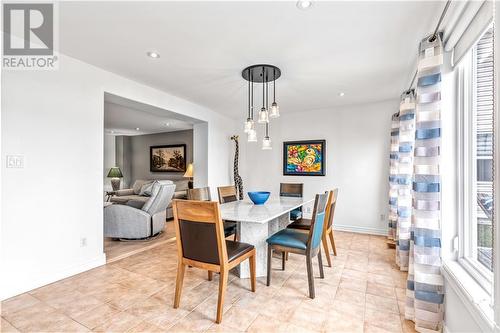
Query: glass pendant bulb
[249,125]
[275,111]
[252,135]
[263,116]
[266,143]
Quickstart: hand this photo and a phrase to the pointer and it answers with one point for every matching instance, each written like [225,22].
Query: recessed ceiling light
[304,4]
[153,54]
[167,124]
[341,94]
[137,128]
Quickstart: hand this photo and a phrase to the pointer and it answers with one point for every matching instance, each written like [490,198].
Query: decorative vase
[115,184]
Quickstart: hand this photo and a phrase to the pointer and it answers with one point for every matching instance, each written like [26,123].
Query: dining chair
[203,194]
[201,243]
[200,194]
[294,241]
[295,190]
[305,224]
[228,194]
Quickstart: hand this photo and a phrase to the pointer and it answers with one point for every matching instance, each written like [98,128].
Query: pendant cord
[267,92]
[263,93]
[266,82]
[251,108]
[274,85]
[267,95]
[249,96]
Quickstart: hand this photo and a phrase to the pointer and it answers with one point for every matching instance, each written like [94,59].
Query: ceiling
[365,49]
[126,117]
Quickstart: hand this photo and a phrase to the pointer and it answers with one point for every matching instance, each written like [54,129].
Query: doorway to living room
[148,161]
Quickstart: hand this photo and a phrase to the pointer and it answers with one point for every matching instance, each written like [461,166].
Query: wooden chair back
[328,209]
[291,190]
[317,223]
[200,233]
[227,194]
[199,194]
[331,208]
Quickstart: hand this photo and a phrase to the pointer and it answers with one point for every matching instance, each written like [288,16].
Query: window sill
[475,299]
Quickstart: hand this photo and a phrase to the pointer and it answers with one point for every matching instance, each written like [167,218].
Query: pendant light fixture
[266,142]
[263,114]
[252,136]
[275,109]
[249,124]
[252,133]
[261,74]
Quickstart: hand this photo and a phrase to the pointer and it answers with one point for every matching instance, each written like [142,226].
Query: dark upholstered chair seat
[229,228]
[236,249]
[295,214]
[289,238]
[302,224]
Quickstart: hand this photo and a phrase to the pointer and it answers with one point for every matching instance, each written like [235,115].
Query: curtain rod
[433,37]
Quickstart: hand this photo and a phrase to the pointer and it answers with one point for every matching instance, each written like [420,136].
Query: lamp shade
[189,171]
[115,172]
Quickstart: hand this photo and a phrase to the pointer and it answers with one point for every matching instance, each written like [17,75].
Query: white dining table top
[246,211]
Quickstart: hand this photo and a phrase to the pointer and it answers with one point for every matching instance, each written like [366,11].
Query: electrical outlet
[382,217]
[83,242]
[15,161]
[308,210]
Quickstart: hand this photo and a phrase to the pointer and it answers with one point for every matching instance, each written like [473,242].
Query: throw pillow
[146,189]
[138,184]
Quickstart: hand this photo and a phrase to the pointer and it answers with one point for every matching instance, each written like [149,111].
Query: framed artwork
[304,158]
[170,158]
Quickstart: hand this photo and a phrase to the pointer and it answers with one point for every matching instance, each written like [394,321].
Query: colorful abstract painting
[304,158]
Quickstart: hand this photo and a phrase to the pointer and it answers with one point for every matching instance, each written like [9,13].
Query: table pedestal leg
[256,234]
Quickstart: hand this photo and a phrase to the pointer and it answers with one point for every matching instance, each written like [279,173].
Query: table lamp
[115,174]
[189,174]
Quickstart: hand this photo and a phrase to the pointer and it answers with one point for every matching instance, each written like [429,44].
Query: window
[476,159]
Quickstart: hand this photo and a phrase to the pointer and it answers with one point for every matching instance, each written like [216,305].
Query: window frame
[467,172]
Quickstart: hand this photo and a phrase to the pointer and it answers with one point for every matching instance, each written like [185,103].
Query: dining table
[255,223]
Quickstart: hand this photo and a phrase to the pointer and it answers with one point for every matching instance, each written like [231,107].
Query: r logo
[29,29]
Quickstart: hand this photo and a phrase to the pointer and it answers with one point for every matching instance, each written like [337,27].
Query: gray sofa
[131,222]
[133,197]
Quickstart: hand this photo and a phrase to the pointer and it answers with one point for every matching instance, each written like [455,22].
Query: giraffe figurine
[237,178]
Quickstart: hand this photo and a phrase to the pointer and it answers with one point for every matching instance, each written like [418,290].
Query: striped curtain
[404,177]
[393,184]
[425,291]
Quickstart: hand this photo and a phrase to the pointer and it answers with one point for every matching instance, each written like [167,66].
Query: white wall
[139,156]
[357,162]
[457,317]
[109,159]
[55,119]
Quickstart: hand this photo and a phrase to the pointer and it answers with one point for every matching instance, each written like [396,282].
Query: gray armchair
[132,221]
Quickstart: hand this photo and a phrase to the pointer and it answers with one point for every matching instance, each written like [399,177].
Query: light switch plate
[15,161]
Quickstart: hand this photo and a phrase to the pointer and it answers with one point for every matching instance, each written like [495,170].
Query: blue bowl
[259,198]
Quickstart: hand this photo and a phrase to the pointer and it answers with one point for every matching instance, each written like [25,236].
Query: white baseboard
[360,230]
[51,277]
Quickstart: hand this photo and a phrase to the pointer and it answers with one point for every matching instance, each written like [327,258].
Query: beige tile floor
[362,292]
